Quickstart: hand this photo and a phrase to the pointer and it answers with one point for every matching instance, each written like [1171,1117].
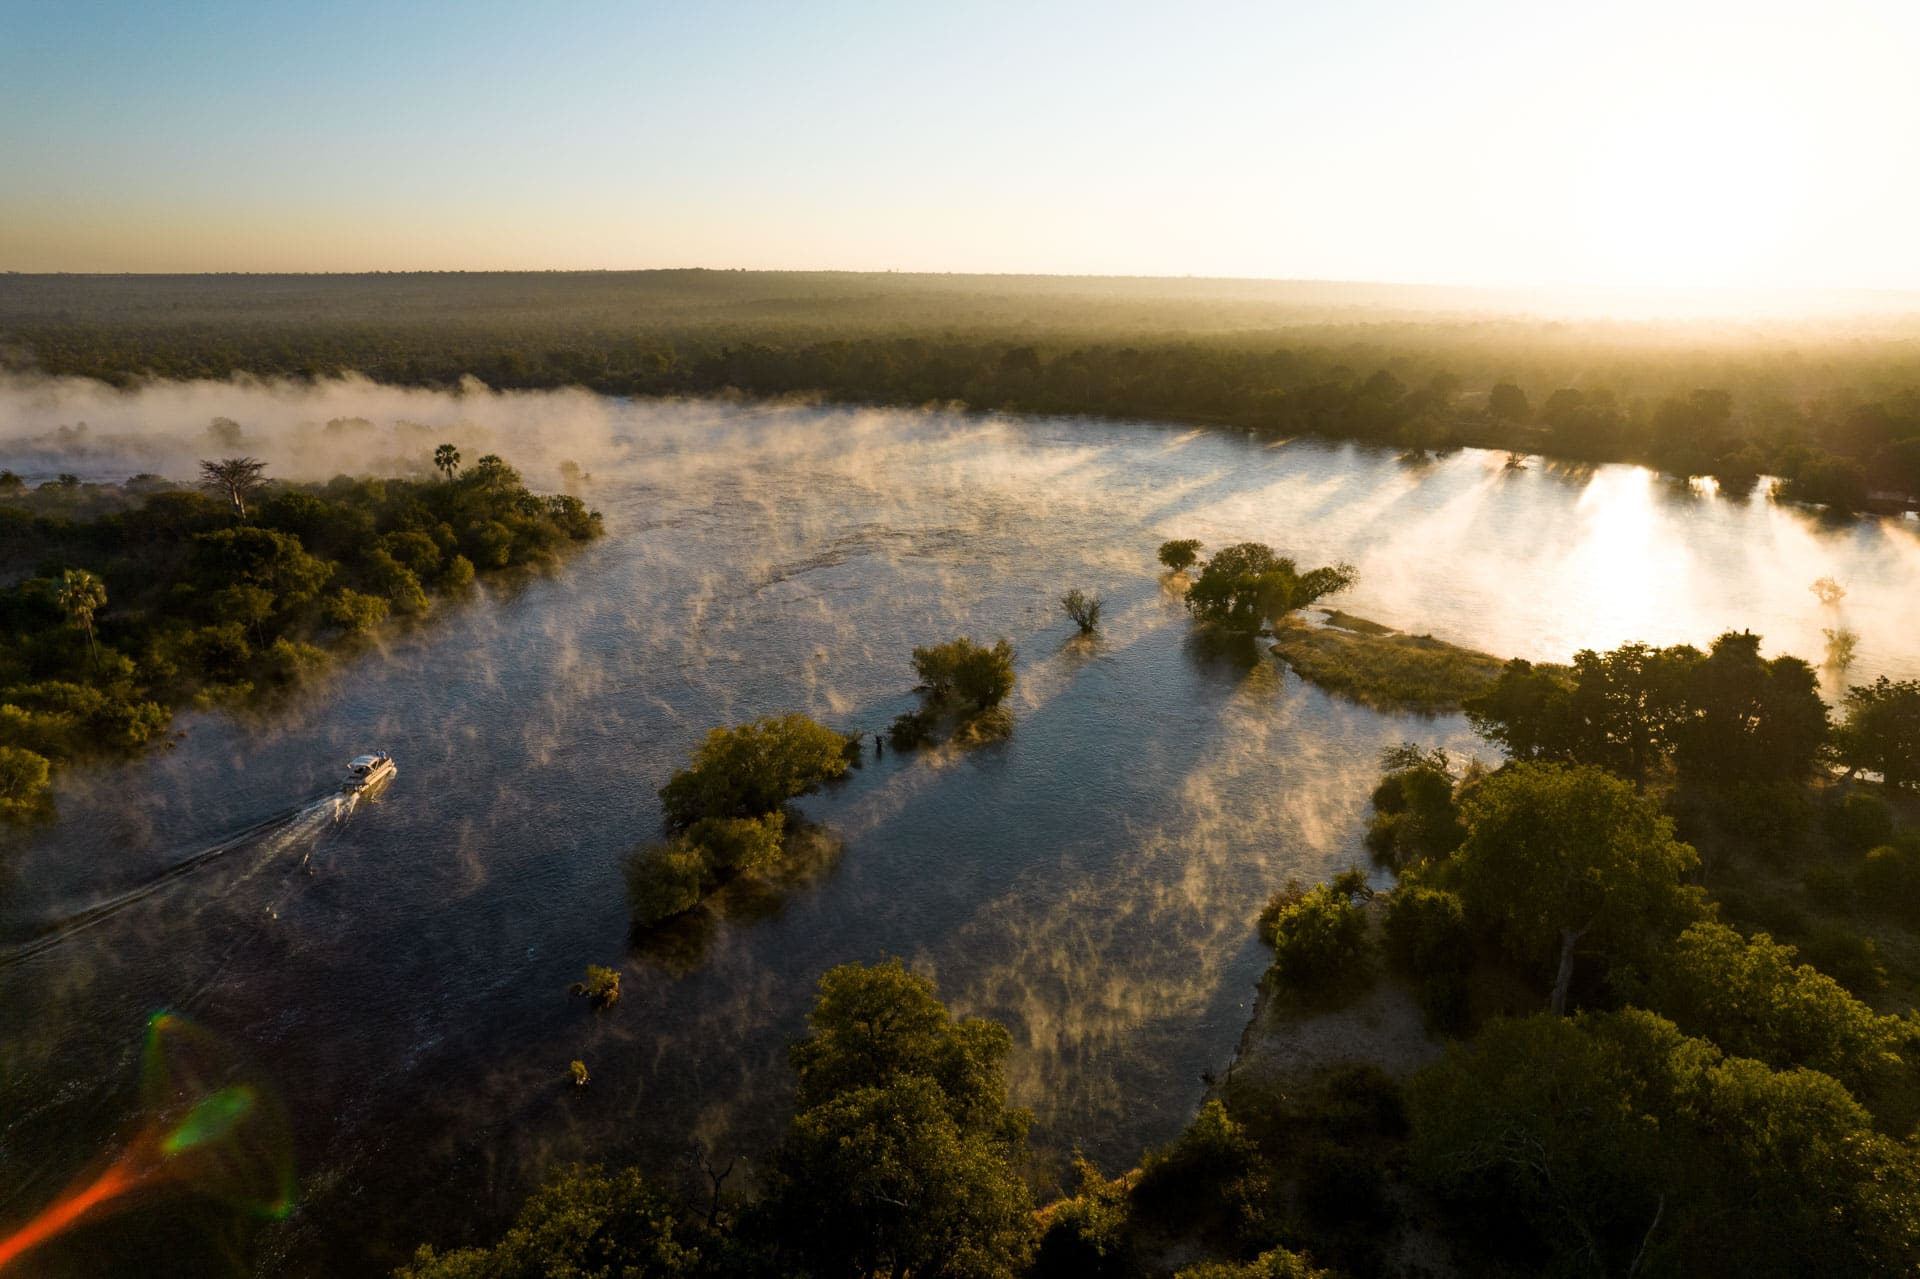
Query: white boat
[367,771]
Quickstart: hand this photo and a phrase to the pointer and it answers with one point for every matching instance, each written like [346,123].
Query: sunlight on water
[1092,880]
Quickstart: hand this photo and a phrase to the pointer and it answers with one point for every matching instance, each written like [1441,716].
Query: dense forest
[123,601]
[1832,410]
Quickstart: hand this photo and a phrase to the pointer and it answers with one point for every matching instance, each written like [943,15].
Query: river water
[401,971]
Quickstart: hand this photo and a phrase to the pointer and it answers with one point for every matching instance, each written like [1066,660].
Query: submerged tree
[1084,609]
[1180,554]
[237,477]
[1247,586]
[81,595]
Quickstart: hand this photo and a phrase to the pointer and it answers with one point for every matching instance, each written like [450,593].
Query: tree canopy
[1247,586]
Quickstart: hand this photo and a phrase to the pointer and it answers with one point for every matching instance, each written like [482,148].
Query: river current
[401,970]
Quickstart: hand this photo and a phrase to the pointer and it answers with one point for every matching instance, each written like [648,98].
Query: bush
[1196,1166]
[664,880]
[1888,882]
[1180,555]
[753,769]
[911,729]
[961,670]
[735,844]
[602,986]
[1319,940]
[353,612]
[1275,1263]
[1087,1234]
[1859,822]
[1427,931]
[1084,609]
[577,1071]
[1846,956]
[23,782]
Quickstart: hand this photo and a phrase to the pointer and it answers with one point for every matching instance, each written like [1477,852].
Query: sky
[1674,144]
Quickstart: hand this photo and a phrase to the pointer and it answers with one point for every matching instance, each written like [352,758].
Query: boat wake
[271,838]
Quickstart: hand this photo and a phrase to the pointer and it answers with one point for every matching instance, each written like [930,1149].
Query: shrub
[1427,932]
[23,781]
[1318,940]
[664,880]
[1846,956]
[1084,609]
[753,769]
[1888,882]
[577,1071]
[457,575]
[961,670]
[353,612]
[1275,1263]
[911,729]
[1277,905]
[1859,822]
[1087,1234]
[602,986]
[735,844]
[1180,555]
[1214,1151]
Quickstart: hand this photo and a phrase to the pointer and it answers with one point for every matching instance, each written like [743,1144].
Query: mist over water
[401,970]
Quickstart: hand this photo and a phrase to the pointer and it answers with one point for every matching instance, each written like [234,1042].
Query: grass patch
[1382,668]
[1360,625]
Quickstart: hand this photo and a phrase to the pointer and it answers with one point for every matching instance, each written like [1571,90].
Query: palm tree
[81,594]
[234,476]
[447,459]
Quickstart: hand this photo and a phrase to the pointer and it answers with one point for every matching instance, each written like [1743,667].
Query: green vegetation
[602,986]
[1084,609]
[1319,937]
[1246,587]
[577,1072]
[1835,413]
[129,600]
[1381,668]
[962,685]
[726,811]
[1181,554]
[1882,731]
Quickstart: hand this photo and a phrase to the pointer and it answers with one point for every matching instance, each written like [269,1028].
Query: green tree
[585,1224]
[1320,939]
[1882,730]
[1246,586]
[1559,856]
[1630,1149]
[753,769]
[1749,996]
[1750,720]
[1527,712]
[446,460]
[1179,555]
[961,670]
[902,1141]
[23,782]
[1274,1263]
[81,596]
[1415,819]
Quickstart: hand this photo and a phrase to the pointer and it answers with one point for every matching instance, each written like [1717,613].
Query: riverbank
[1380,667]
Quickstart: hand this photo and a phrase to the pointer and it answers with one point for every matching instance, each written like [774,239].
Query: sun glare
[1689,192]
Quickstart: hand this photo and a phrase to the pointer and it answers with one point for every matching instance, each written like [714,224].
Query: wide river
[401,973]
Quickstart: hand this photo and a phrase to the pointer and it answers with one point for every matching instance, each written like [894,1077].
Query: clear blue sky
[1681,142]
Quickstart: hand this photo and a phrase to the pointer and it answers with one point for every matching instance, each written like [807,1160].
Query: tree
[1750,720]
[1180,555]
[902,1139]
[1630,1149]
[1414,818]
[1748,996]
[587,1222]
[493,473]
[236,477]
[23,782]
[446,460]
[1084,609]
[81,595]
[1507,403]
[1526,712]
[964,671]
[1882,730]
[1245,586]
[1274,1263]
[1559,855]
[1319,940]
[753,769]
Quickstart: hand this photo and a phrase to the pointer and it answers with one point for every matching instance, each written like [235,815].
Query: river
[401,972]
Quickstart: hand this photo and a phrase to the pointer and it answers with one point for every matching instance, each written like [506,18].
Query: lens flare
[209,1130]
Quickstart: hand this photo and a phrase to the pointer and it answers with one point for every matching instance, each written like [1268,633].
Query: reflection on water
[1092,880]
